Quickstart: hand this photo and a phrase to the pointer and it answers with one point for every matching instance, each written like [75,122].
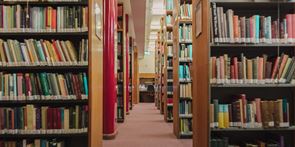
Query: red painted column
[127,64]
[109,82]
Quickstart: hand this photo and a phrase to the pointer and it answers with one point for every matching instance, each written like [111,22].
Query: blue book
[188,76]
[180,72]
[62,116]
[43,143]
[180,33]
[268,26]
[257,26]
[190,51]
[85,83]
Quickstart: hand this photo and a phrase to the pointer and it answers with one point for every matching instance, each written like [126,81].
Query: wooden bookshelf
[131,69]
[181,121]
[93,69]
[204,92]
[168,68]
[120,62]
[158,74]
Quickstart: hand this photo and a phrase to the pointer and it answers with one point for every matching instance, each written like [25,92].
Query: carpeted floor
[145,127]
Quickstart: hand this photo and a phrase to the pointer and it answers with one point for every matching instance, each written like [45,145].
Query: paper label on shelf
[284,124]
[271,123]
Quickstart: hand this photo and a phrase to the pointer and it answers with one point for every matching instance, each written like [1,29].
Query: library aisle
[145,127]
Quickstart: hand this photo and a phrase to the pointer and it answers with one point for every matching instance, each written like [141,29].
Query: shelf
[120,30]
[170,80]
[38,3]
[185,60]
[251,1]
[185,81]
[251,85]
[169,12]
[21,68]
[169,93]
[53,135]
[185,135]
[185,98]
[186,21]
[251,45]
[185,115]
[169,68]
[169,120]
[185,42]
[43,102]
[252,129]
[42,34]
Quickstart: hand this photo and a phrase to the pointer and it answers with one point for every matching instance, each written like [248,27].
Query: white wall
[147,63]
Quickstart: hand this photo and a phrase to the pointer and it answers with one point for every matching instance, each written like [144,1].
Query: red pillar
[127,64]
[109,82]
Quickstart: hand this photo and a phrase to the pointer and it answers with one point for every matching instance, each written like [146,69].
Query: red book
[221,67]
[19,84]
[79,86]
[53,19]
[58,118]
[56,50]
[28,85]
[214,68]
[74,84]
[244,109]
[232,72]
[275,68]
[258,110]
[54,118]
[236,26]
[49,118]
[289,25]
[236,68]
[2,119]
[293,26]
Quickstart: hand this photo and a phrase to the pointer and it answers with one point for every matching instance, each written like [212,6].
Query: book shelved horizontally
[44,73]
[120,64]
[182,59]
[251,71]
[168,71]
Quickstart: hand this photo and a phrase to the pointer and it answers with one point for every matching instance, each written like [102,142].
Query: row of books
[185,126]
[170,113]
[169,35]
[242,113]
[225,142]
[185,11]
[170,74]
[184,72]
[185,107]
[169,20]
[33,52]
[16,18]
[33,143]
[185,33]
[31,119]
[169,5]
[258,70]
[186,51]
[44,0]
[43,86]
[185,90]
[231,28]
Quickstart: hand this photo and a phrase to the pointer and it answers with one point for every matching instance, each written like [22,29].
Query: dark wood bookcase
[204,92]
[70,139]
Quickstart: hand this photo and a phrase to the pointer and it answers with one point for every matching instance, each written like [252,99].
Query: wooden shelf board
[19,68]
[185,116]
[43,102]
[252,129]
[251,85]
[37,3]
[251,45]
[55,135]
[42,34]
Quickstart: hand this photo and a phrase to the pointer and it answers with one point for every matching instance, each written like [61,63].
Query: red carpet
[145,127]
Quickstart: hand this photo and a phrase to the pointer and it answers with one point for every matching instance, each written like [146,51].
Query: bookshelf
[131,62]
[182,62]
[55,77]
[260,87]
[121,111]
[168,70]
[157,71]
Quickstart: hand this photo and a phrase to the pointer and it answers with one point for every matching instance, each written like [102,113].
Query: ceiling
[146,16]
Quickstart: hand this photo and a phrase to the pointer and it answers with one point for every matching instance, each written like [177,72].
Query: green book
[44,83]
